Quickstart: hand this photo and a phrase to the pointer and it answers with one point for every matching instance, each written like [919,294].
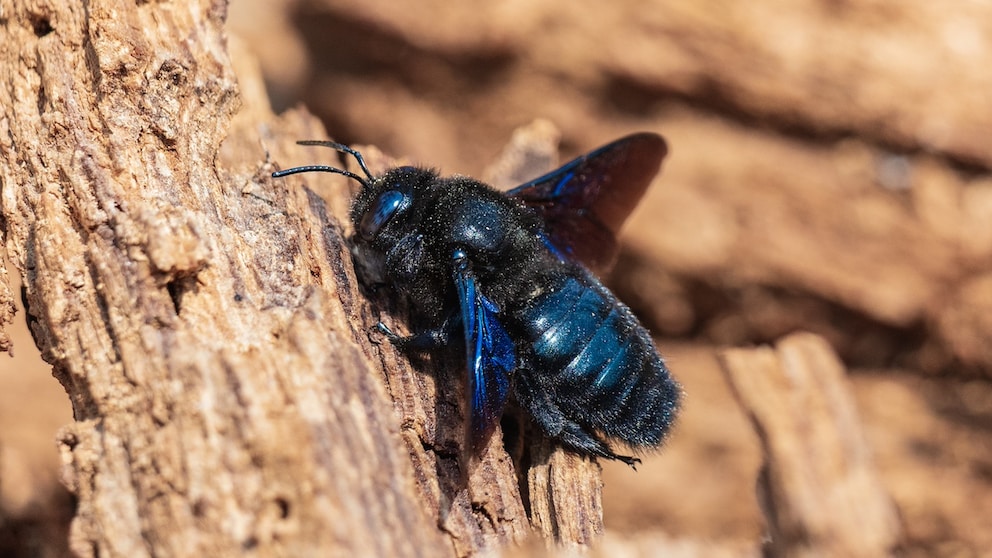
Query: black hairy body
[447,213]
[489,274]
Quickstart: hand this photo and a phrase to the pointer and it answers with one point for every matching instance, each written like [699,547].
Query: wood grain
[819,488]
[206,321]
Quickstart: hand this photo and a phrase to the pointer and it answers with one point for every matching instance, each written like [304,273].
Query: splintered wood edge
[818,488]
[7,308]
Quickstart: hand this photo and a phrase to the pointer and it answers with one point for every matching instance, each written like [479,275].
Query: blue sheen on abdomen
[579,334]
[562,320]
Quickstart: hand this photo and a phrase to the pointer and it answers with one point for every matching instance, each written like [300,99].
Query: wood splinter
[818,488]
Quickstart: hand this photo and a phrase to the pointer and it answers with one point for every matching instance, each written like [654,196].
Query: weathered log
[819,488]
[207,323]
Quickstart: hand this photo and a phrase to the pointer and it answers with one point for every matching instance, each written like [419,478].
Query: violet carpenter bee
[508,274]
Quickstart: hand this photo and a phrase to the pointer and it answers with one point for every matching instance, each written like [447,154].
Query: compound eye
[387,205]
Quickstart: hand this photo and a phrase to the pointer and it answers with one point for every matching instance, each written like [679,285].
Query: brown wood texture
[906,74]
[819,488]
[206,320]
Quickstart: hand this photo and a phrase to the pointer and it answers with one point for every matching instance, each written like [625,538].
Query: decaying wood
[7,308]
[207,323]
[723,58]
[565,495]
[819,488]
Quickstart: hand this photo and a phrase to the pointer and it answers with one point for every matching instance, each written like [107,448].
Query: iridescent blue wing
[489,353]
[584,202]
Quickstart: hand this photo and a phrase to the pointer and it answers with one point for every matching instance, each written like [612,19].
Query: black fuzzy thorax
[502,238]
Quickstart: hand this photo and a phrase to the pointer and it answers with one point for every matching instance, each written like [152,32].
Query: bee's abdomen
[598,363]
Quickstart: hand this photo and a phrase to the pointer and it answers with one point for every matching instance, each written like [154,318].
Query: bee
[508,274]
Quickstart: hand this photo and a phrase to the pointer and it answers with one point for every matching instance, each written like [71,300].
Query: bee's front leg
[422,341]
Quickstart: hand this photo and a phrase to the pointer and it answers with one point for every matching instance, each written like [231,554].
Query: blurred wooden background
[829,172]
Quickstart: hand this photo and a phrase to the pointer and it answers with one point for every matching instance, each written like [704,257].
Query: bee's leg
[556,425]
[422,341]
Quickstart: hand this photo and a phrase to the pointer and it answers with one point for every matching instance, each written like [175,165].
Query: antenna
[326,168]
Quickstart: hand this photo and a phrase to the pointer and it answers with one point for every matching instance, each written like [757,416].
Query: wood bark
[207,323]
[819,490]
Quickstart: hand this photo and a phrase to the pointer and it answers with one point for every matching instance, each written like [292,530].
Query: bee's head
[380,208]
[382,211]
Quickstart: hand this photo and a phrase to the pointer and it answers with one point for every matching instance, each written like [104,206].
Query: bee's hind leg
[559,427]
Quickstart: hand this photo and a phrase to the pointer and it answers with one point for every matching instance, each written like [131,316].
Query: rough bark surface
[206,321]
[819,488]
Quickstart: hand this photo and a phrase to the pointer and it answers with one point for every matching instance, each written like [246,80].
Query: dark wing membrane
[585,202]
[490,356]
